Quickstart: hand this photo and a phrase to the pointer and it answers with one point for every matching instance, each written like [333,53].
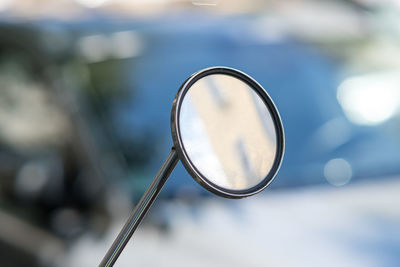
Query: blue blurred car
[301,79]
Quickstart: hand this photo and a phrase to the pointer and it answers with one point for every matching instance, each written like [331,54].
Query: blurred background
[86,89]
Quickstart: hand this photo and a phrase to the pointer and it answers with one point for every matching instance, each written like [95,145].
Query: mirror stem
[140,210]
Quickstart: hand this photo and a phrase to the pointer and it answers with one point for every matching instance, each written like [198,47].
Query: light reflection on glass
[370,99]
[338,172]
[227,132]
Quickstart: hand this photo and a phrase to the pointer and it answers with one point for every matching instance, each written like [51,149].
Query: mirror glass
[227,132]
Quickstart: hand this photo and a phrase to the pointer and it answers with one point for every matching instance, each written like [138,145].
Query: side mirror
[228,135]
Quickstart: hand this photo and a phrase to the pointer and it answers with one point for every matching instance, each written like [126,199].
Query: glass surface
[227,132]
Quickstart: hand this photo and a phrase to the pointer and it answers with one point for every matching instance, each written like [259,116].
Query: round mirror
[227,132]
[228,135]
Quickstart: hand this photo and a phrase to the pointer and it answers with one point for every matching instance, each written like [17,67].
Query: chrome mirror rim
[180,149]
[178,152]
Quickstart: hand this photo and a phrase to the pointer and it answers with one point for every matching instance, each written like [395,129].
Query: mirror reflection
[227,132]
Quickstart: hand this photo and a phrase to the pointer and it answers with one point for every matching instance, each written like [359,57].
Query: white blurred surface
[357,225]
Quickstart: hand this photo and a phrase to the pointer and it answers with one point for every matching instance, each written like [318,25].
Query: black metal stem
[140,210]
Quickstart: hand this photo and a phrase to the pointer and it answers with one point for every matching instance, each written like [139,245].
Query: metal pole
[140,210]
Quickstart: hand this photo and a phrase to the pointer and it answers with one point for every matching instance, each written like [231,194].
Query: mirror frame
[180,149]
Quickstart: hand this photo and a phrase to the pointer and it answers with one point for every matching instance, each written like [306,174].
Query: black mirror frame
[187,163]
[178,152]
